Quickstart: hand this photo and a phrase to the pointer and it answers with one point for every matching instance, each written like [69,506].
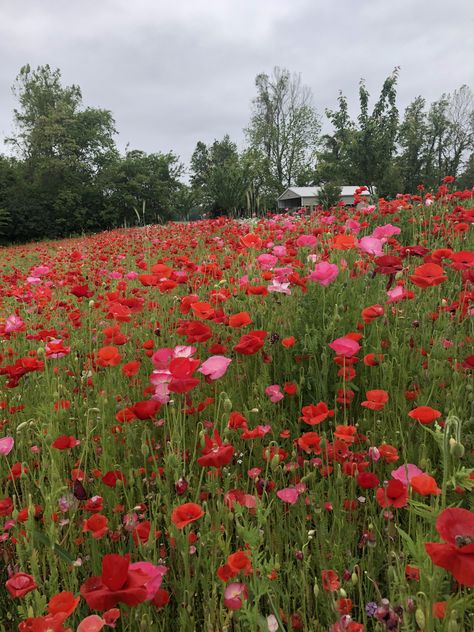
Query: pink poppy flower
[215,367]
[266,261]
[6,445]
[306,241]
[388,230]
[345,346]
[92,623]
[13,323]
[274,393]
[288,495]
[324,273]
[406,472]
[156,574]
[234,595]
[371,246]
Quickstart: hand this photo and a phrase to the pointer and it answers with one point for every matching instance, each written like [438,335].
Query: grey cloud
[177,72]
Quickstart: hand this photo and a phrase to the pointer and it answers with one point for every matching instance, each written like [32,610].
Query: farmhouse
[307,197]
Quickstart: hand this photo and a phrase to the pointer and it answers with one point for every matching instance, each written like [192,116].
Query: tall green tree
[413,141]
[363,151]
[63,146]
[140,188]
[284,127]
[217,177]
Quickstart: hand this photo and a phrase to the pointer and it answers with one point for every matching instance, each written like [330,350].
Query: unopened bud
[354,579]
[316,589]
[275,462]
[420,618]
[181,486]
[456,449]
[453,625]
[227,405]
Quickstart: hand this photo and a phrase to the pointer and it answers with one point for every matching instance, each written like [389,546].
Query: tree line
[65,175]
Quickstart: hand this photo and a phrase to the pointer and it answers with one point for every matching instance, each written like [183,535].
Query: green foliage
[217,178]
[140,183]
[329,195]
[68,177]
[284,127]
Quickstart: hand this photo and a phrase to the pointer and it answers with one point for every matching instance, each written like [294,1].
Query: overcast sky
[177,71]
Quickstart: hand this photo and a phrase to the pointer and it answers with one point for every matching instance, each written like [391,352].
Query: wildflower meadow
[230,425]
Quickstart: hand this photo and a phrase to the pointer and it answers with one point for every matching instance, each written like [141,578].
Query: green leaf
[57,550]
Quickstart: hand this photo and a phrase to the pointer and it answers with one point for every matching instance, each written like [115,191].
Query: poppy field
[233,425]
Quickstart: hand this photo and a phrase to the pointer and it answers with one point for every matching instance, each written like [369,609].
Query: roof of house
[309,192]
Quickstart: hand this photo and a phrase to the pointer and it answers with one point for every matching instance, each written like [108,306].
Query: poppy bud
[275,462]
[342,593]
[227,405]
[181,486]
[420,618]
[456,449]
[354,579]
[316,589]
[91,303]
[453,625]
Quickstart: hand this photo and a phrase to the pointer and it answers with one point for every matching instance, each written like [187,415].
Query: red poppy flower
[395,494]
[64,442]
[251,343]
[376,399]
[146,409]
[63,602]
[373,359]
[371,313]
[251,241]
[330,580]
[6,506]
[412,573]
[215,453]
[239,562]
[108,356]
[387,264]
[117,584]
[425,485]
[185,514]
[428,275]
[204,311]
[456,555]
[346,433]
[367,480]
[97,525]
[240,320]
[131,368]
[110,478]
[309,442]
[20,584]
[182,370]
[315,413]
[424,414]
